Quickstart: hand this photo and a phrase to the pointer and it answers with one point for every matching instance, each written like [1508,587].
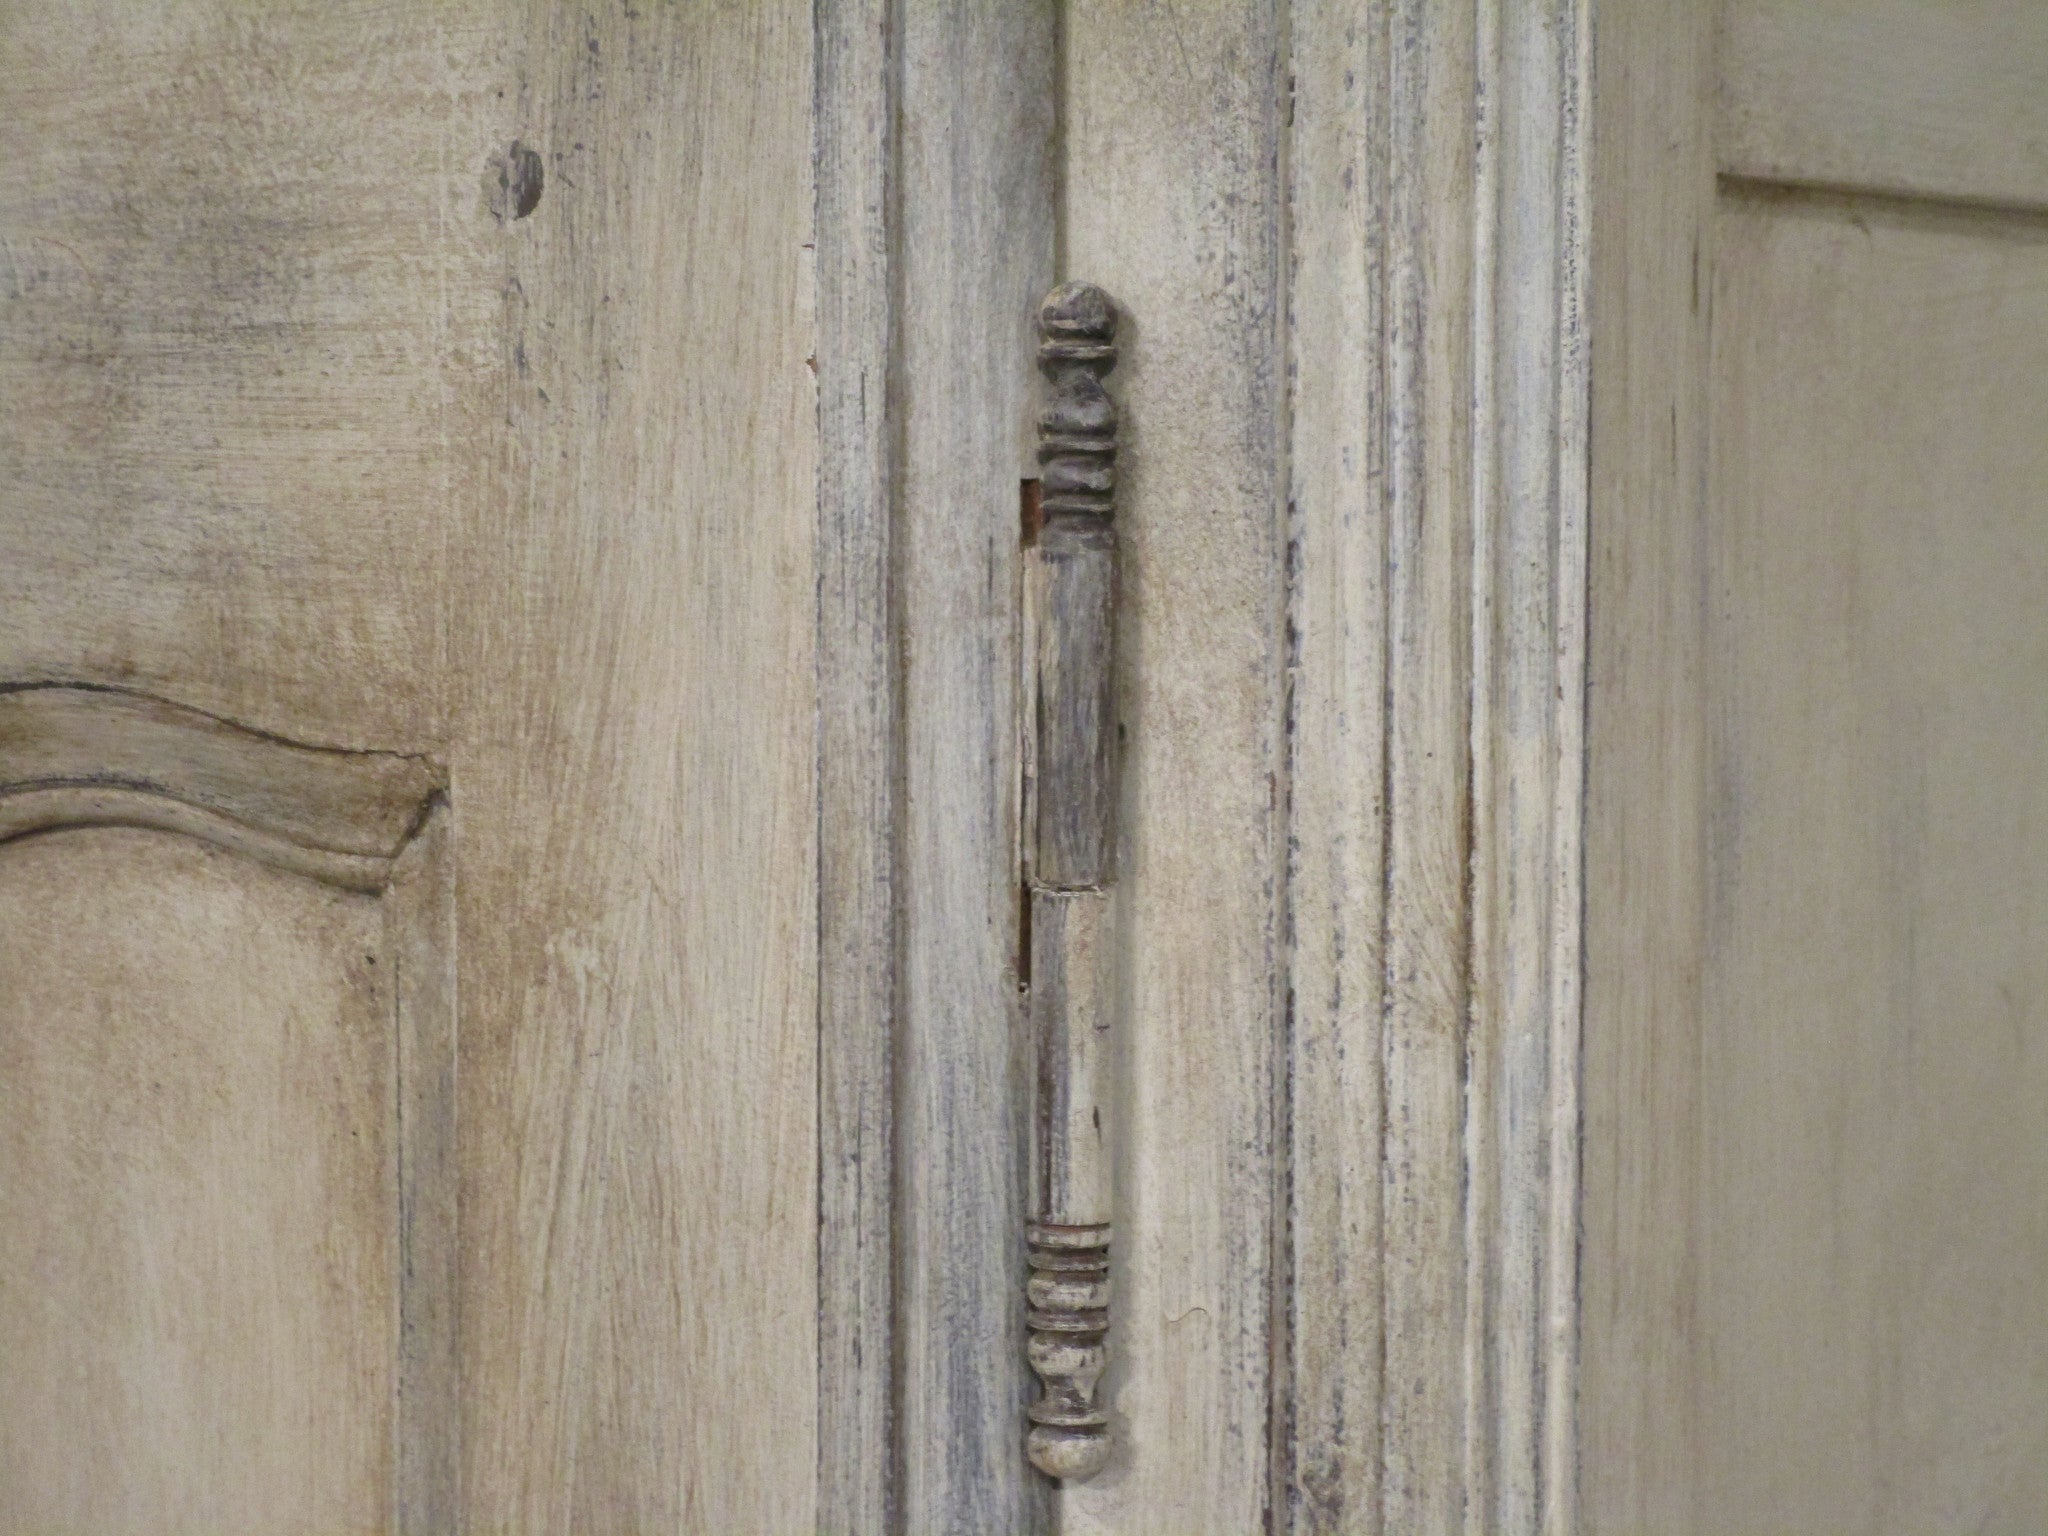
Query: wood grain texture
[1172,139]
[1871,1251]
[1069,865]
[419,937]
[859,765]
[1070,1236]
[1071,571]
[1073,1015]
[435,380]
[1898,96]
[200,1437]
[1070,600]
[99,741]
[974,256]
[1437,578]
[1653,185]
[636,902]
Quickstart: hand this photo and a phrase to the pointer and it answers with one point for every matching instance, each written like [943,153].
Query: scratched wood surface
[1532,396]
[1329,1470]
[436,380]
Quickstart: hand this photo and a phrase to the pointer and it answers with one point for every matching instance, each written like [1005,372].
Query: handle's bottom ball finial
[1067,1453]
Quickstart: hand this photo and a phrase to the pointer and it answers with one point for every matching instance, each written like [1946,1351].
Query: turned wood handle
[1070,854]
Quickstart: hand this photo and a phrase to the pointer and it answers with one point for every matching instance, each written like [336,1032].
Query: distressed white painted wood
[1329,1462]
[1437,516]
[1425,639]
[1531,387]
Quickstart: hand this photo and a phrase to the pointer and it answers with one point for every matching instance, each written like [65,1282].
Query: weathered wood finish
[1073,1017]
[1327,1471]
[435,379]
[859,767]
[634,782]
[976,200]
[1172,136]
[1071,589]
[1355,571]
[90,756]
[1530,493]
[1652,251]
[1437,489]
[1068,1241]
[1897,96]
[1071,576]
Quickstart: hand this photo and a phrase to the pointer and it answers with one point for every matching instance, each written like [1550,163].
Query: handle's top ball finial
[1076,319]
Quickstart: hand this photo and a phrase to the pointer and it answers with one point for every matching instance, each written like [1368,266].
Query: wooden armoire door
[519,1003]
[407,899]
[1816,1239]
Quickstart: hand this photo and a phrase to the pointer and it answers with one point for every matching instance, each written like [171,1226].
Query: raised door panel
[1815,1255]
[225,1119]
[199,1192]
[1874,1032]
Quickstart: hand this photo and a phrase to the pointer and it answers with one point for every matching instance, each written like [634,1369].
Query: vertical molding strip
[936,204]
[1175,166]
[1531,385]
[1329,1448]
[1437,191]
[858,767]
[976,200]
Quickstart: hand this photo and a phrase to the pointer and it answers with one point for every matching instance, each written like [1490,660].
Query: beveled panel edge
[82,756]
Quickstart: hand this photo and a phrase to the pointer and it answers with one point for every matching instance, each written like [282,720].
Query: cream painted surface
[1874,1032]
[198,1191]
[1816,1256]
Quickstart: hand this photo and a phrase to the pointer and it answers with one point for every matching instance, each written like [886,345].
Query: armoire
[516,1010]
